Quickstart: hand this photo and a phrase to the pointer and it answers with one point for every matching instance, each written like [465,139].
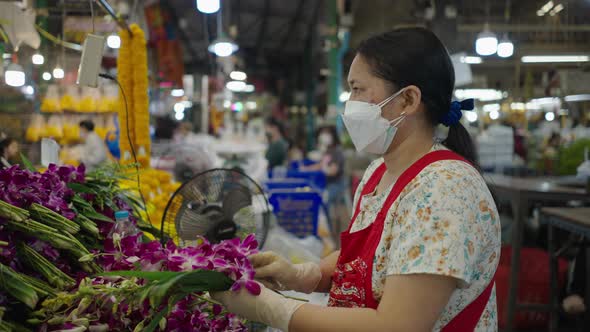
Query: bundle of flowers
[60,272]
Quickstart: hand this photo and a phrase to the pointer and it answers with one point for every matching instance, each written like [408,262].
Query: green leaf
[92,214]
[147,275]
[27,163]
[156,320]
[80,188]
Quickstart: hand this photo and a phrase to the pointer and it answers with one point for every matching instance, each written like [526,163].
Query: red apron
[352,280]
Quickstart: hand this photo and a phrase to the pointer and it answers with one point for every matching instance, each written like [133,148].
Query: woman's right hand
[277,273]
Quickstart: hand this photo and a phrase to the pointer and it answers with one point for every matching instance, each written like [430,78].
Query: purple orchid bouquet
[71,277]
[150,287]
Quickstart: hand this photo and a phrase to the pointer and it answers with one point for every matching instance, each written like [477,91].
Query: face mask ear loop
[386,101]
[398,120]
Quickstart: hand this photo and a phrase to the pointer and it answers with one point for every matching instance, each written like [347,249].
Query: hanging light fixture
[58,72]
[223,47]
[505,47]
[208,6]
[114,41]
[487,42]
[46,76]
[38,59]
[14,75]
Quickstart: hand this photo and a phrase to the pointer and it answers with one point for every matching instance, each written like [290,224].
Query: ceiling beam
[263,26]
[293,24]
[524,28]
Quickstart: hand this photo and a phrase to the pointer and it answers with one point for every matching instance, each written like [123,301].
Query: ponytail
[459,141]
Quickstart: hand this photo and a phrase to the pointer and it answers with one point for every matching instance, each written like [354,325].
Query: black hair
[5,143]
[87,124]
[332,130]
[415,56]
[275,123]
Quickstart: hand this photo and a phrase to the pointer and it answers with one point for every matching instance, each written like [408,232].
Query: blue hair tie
[453,116]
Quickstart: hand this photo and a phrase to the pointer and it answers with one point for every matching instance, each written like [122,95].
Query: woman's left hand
[269,307]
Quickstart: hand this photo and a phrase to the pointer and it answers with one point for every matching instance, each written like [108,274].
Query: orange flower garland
[133,76]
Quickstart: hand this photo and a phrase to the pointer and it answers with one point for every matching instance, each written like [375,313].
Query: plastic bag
[297,250]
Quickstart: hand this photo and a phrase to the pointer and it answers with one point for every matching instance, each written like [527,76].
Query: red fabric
[352,279]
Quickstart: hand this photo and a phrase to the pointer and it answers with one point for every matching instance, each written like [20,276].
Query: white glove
[275,272]
[269,308]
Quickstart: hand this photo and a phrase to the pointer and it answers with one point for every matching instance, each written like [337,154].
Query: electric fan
[218,204]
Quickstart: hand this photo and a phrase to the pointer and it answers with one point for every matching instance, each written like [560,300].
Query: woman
[424,241]
[331,163]
[278,147]
[8,152]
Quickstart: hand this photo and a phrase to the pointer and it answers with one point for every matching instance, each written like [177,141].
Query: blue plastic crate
[296,165]
[316,178]
[286,183]
[297,211]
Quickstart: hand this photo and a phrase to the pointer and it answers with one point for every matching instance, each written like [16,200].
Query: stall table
[574,220]
[522,192]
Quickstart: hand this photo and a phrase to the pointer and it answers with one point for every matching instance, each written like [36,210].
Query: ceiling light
[574,98]
[494,115]
[38,59]
[187,104]
[557,9]
[344,96]
[235,86]
[179,116]
[58,73]
[547,101]
[479,94]
[547,7]
[471,116]
[114,41]
[505,48]
[251,105]
[238,75]
[28,90]
[549,116]
[178,107]
[554,58]
[208,6]
[177,92]
[472,60]
[249,88]
[486,43]
[46,76]
[540,12]
[491,107]
[223,47]
[14,75]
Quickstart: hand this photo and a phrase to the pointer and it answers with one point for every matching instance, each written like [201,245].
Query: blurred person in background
[332,165]
[9,151]
[278,146]
[94,151]
[551,153]
[423,246]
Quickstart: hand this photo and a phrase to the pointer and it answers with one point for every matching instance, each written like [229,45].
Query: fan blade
[191,224]
[236,199]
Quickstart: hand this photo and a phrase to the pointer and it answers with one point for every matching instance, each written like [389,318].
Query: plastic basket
[274,184]
[297,211]
[533,286]
[296,165]
[316,178]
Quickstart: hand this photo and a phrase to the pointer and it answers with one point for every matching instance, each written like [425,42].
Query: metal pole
[120,22]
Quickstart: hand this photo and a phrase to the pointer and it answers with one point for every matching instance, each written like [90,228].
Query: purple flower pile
[21,187]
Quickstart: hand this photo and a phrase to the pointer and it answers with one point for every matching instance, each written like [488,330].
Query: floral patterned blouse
[444,222]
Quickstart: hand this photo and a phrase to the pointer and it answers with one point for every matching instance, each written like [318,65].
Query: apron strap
[367,189]
[467,319]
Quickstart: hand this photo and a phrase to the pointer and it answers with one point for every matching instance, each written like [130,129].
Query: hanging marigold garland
[133,76]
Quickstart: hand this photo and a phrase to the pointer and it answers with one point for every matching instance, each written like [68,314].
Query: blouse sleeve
[439,221]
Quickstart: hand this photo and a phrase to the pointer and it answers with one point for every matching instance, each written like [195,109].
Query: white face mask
[369,131]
